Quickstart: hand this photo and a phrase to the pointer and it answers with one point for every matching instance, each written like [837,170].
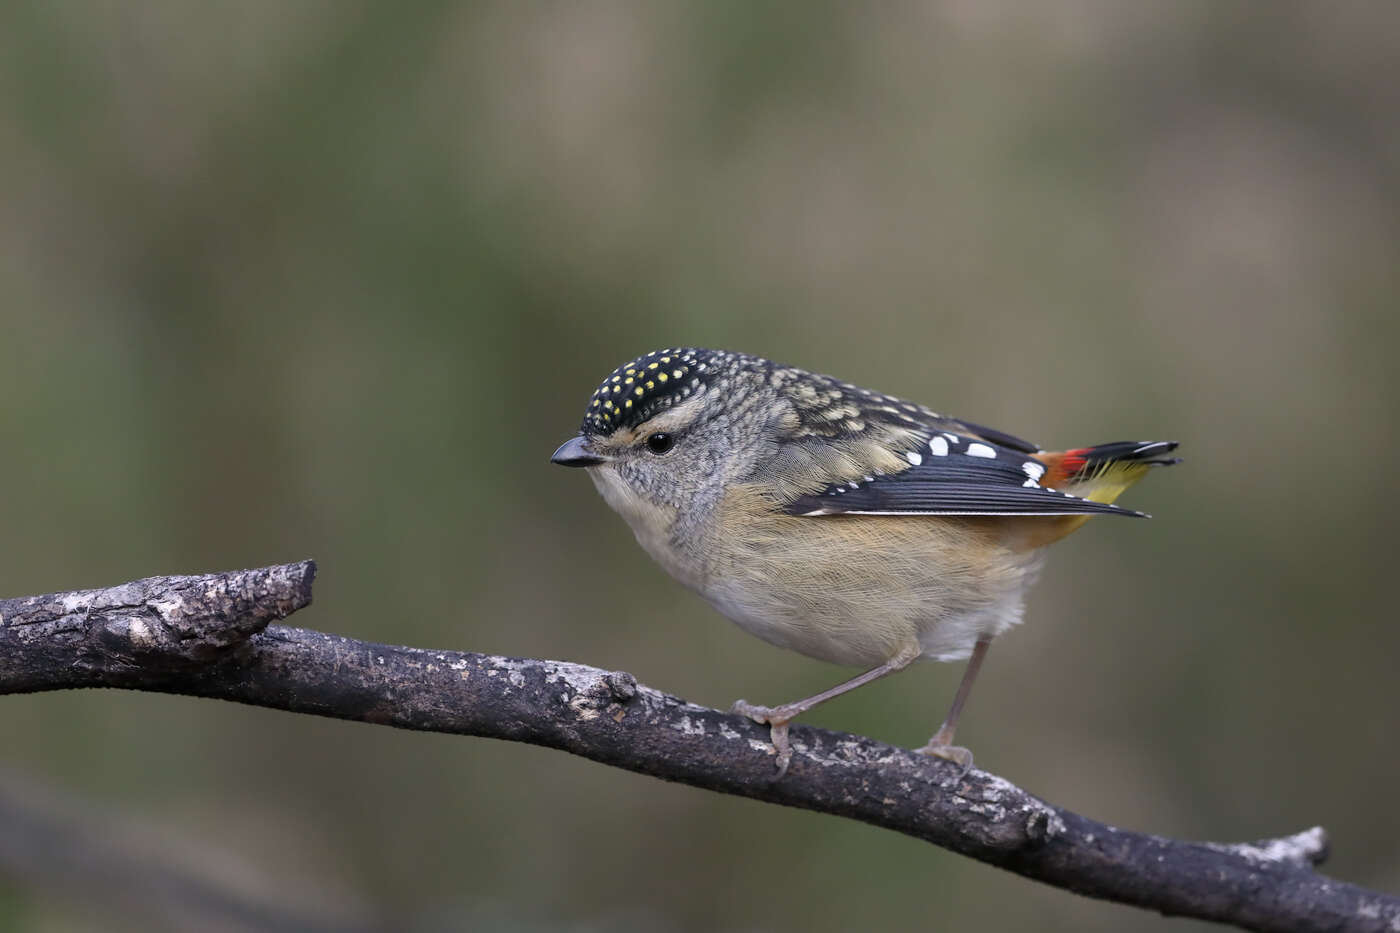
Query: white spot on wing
[1033,469]
[981,450]
[914,457]
[939,446]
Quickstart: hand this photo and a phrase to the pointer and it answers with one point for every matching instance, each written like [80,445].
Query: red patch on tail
[1062,465]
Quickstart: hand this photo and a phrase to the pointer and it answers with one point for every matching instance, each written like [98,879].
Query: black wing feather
[891,496]
[945,478]
[1000,438]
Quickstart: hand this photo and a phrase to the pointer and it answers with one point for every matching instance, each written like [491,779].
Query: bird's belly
[869,636]
[864,645]
[859,602]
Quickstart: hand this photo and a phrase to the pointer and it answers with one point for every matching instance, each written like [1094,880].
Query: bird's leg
[778,717]
[941,745]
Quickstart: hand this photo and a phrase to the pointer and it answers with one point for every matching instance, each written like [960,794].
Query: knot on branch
[621,685]
[1001,817]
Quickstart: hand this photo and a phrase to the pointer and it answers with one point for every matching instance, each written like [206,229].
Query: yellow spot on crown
[665,359]
[629,403]
[638,392]
[652,365]
[678,373]
[661,377]
[628,381]
[650,384]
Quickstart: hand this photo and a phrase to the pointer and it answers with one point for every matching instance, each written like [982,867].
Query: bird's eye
[660,442]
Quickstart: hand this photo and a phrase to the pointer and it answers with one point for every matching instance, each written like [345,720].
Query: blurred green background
[332,280]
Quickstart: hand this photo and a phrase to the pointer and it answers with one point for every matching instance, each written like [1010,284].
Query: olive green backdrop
[332,280]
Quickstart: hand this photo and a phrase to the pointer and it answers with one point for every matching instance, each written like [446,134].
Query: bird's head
[668,432]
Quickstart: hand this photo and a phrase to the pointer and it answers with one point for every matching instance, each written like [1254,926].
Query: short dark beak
[573,453]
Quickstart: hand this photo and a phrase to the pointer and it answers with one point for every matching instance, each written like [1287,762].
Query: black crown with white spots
[637,390]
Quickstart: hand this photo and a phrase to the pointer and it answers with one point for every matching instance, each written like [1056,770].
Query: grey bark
[211,635]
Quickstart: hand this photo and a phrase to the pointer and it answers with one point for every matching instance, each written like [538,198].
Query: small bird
[847,525]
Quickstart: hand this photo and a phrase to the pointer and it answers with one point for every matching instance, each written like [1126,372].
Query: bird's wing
[952,473]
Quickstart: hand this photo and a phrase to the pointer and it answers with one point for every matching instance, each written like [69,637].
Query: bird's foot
[954,753]
[777,719]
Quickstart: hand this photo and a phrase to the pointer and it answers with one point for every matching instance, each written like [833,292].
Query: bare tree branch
[211,636]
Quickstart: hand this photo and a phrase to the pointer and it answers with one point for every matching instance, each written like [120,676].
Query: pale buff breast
[854,590]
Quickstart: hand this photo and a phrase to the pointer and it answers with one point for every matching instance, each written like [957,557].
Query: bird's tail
[1101,473]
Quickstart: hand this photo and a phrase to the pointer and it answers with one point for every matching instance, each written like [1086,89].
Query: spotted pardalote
[842,523]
